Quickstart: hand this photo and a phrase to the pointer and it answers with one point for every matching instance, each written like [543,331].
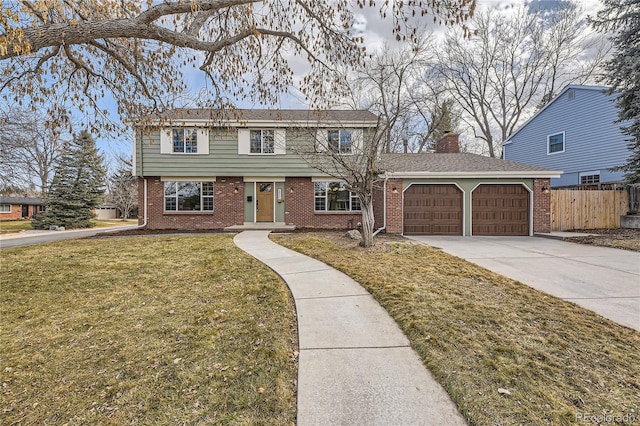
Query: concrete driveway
[604,280]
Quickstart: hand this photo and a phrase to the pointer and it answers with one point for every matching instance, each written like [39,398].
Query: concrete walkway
[602,279]
[355,366]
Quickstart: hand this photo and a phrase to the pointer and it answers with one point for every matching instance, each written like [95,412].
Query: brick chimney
[448,143]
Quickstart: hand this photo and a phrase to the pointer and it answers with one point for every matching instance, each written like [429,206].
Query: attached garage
[433,209]
[500,210]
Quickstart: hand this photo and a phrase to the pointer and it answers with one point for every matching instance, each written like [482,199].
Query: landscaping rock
[354,234]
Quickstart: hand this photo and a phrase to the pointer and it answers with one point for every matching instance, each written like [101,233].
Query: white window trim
[589,173]
[279,141]
[6,204]
[564,143]
[202,141]
[262,142]
[322,140]
[164,196]
[328,181]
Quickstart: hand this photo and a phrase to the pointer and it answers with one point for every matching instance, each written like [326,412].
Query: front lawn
[145,330]
[506,354]
[7,226]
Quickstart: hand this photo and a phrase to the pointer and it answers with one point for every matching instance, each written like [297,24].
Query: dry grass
[145,330]
[478,331]
[626,239]
[8,226]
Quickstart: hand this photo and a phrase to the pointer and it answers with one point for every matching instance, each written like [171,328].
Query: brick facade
[542,205]
[16,212]
[299,208]
[227,207]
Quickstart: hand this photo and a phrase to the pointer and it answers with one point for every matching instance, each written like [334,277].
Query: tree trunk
[368,221]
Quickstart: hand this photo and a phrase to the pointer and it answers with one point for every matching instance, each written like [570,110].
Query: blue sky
[375,33]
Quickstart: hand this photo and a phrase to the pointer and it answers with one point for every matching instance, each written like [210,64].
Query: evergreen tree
[77,187]
[623,73]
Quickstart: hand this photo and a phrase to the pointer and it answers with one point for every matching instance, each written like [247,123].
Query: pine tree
[623,73]
[77,187]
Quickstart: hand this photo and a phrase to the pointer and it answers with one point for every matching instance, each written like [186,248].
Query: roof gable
[603,89]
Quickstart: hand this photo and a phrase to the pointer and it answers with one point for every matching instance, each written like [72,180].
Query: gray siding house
[575,133]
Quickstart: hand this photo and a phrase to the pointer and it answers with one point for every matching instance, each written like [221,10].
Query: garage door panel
[433,210]
[500,210]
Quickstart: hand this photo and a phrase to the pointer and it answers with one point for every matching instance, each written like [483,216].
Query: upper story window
[185,141]
[555,143]
[188,196]
[262,142]
[340,141]
[334,196]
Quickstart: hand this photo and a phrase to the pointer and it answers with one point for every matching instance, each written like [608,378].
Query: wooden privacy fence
[575,209]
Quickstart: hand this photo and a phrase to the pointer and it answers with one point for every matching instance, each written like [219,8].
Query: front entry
[264,201]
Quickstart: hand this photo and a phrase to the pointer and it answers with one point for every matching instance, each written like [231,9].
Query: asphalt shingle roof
[450,162]
[272,114]
[20,200]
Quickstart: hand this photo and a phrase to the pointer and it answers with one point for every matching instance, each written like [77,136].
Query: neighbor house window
[555,143]
[340,141]
[589,177]
[188,196]
[5,208]
[334,196]
[262,142]
[185,141]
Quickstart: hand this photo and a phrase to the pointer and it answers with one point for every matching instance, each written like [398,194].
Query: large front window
[262,142]
[334,196]
[340,141]
[185,141]
[188,196]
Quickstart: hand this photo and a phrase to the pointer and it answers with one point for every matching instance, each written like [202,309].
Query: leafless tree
[123,188]
[76,52]
[28,150]
[514,64]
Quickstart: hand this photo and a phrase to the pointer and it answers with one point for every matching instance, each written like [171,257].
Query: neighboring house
[235,173]
[577,133]
[13,208]
[106,212]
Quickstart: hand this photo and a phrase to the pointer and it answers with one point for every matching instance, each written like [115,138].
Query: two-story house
[576,133]
[246,169]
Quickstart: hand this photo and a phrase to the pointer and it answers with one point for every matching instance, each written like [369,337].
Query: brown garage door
[433,210]
[500,210]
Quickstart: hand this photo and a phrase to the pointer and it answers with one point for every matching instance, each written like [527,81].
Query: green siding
[279,204]
[249,209]
[223,158]
[467,185]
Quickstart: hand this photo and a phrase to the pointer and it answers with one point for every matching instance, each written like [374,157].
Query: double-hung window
[555,143]
[5,208]
[340,141]
[262,142]
[334,196]
[188,196]
[185,141]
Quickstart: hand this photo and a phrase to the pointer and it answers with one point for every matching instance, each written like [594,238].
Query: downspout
[145,217]
[384,208]
[144,186]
